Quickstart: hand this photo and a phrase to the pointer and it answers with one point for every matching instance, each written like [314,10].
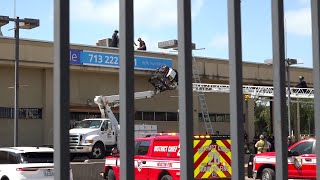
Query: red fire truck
[158,157]
[301,162]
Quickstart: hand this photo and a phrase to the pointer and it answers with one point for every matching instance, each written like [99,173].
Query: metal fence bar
[185,89]
[16,84]
[280,125]
[236,93]
[61,90]
[126,90]
[315,16]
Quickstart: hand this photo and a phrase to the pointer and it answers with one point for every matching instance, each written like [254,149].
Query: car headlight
[89,141]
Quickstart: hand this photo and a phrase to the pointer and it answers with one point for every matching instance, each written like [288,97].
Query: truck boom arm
[106,102]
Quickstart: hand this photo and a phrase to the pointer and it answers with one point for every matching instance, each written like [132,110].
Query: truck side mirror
[102,129]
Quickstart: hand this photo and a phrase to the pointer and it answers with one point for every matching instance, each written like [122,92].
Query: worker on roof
[115,39]
[142,45]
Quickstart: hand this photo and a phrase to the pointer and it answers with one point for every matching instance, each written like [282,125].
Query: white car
[27,163]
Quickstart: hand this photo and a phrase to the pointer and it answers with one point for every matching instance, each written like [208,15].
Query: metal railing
[61,87]
[254,91]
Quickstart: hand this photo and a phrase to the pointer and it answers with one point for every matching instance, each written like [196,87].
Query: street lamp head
[28,23]
[268,61]
[171,44]
[168,44]
[4,20]
[292,61]
[288,60]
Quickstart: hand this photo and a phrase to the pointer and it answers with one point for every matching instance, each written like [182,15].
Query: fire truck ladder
[254,91]
[202,98]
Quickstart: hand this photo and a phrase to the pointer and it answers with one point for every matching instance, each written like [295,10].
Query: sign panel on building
[113,60]
[90,58]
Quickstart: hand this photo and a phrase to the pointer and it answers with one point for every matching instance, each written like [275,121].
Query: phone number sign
[113,60]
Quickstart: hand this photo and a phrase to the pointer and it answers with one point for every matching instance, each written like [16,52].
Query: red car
[301,162]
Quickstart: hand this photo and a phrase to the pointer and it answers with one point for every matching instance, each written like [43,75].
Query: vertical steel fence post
[315,16]
[61,90]
[280,125]
[289,95]
[236,93]
[185,89]
[126,90]
[16,84]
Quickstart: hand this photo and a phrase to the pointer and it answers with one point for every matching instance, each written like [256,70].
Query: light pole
[26,23]
[289,62]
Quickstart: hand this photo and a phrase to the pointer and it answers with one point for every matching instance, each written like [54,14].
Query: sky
[156,20]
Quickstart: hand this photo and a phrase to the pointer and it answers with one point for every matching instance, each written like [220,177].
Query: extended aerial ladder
[254,91]
[202,99]
[106,102]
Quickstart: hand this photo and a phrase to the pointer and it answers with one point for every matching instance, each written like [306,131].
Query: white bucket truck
[93,137]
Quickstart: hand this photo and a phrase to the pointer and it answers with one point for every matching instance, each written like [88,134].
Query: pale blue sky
[155,20]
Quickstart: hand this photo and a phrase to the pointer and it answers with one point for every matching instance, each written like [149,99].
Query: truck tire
[5,178]
[98,151]
[111,175]
[166,177]
[267,174]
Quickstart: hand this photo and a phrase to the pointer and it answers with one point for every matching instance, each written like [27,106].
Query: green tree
[262,118]
[306,116]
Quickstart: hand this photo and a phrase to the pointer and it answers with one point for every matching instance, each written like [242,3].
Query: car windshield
[37,157]
[89,124]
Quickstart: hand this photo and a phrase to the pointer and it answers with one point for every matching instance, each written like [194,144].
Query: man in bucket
[164,78]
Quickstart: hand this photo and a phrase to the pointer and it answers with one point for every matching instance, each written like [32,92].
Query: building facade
[89,78]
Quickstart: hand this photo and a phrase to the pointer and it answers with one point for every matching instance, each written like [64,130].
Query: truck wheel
[111,175]
[98,151]
[5,178]
[166,177]
[267,174]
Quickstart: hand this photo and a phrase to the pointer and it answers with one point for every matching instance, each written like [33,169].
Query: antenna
[14,8]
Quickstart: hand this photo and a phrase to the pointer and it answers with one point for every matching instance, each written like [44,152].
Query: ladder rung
[202,99]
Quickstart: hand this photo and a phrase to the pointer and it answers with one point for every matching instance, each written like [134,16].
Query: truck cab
[93,137]
[301,162]
[152,159]
[158,157]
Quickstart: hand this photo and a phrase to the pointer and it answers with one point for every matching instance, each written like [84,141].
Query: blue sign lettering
[99,59]
[74,56]
[150,63]
[113,60]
